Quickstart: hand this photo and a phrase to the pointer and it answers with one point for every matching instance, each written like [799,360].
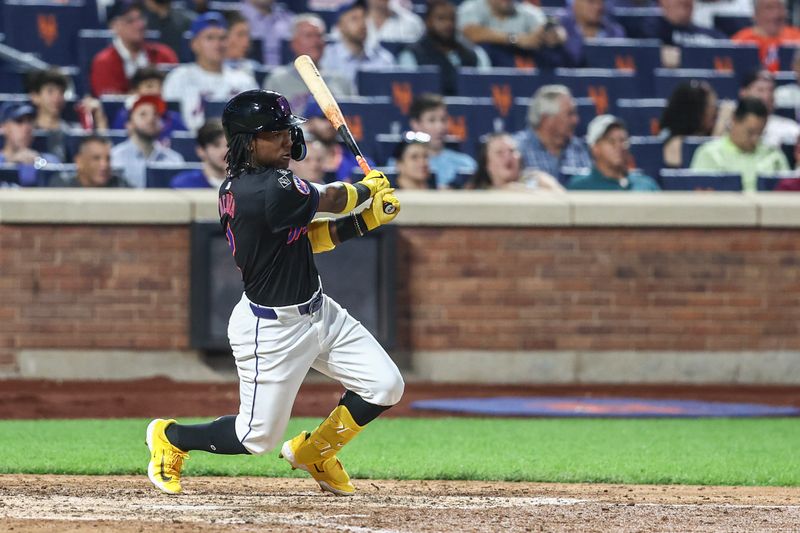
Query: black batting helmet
[257,110]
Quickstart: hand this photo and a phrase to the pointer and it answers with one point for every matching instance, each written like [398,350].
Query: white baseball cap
[599,126]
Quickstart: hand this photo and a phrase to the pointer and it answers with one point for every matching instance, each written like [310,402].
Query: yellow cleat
[329,473]
[166,461]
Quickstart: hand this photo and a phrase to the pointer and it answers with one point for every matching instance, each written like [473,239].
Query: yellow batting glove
[375,181]
[383,209]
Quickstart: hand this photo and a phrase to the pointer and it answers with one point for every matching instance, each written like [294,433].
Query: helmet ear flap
[298,144]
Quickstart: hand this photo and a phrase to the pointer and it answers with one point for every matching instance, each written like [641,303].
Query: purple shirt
[271,28]
[575,40]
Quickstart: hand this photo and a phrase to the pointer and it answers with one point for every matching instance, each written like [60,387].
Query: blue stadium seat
[502,85]
[9,176]
[786,56]
[370,115]
[641,115]
[185,142]
[471,118]
[261,72]
[632,18]
[586,112]
[721,57]
[159,175]
[214,109]
[769,182]
[648,154]
[730,24]
[603,86]
[641,56]
[689,146]
[402,84]
[44,175]
[46,28]
[694,180]
[724,83]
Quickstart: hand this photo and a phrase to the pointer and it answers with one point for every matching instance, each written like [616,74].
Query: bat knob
[388,208]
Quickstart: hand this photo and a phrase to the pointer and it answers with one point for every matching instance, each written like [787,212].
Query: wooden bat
[322,94]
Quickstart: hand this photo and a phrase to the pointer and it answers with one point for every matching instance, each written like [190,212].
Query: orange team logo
[402,95]
[524,62]
[48,28]
[625,62]
[457,127]
[723,64]
[655,126]
[356,127]
[599,96]
[502,98]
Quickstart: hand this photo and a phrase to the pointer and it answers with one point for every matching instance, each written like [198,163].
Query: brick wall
[114,287]
[69,287]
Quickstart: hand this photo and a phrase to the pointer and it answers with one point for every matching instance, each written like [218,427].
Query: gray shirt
[338,58]
[286,80]
[525,19]
[129,159]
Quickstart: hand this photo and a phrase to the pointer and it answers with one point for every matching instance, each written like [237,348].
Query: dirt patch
[128,504]
[24,399]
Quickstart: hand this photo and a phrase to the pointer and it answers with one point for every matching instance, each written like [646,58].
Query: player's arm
[326,234]
[341,197]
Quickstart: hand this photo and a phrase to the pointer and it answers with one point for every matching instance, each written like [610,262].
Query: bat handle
[387,207]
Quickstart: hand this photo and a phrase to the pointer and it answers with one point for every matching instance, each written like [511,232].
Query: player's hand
[375,181]
[376,214]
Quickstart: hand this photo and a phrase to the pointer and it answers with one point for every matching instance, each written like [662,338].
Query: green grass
[703,451]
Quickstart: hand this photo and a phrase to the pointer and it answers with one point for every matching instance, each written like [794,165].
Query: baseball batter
[285,323]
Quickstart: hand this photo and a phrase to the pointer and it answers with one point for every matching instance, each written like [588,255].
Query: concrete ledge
[114,365]
[96,206]
[778,209]
[562,367]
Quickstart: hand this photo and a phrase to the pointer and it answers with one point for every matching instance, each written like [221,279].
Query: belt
[310,307]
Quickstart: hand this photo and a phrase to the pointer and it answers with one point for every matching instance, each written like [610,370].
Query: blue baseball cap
[16,111]
[122,7]
[209,19]
[347,6]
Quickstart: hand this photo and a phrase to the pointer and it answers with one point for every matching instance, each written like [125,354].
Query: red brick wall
[114,287]
[71,287]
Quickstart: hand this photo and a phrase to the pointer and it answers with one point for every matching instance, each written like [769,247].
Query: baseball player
[285,323]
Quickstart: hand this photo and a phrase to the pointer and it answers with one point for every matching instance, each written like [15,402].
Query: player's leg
[352,356]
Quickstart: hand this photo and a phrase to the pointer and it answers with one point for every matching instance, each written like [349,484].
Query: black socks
[362,411]
[218,436]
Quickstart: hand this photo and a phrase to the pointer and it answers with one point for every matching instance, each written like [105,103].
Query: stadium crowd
[143,110]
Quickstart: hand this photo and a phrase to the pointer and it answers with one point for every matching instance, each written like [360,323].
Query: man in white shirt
[352,51]
[705,10]
[779,130]
[144,126]
[207,79]
[389,21]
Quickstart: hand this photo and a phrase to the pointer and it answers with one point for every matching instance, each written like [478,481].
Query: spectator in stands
[308,38]
[211,149]
[339,162]
[389,21]
[144,127]
[779,130]
[149,81]
[789,95]
[500,167]
[207,78]
[770,31]
[705,10]
[352,51]
[113,67]
[92,166]
[607,137]
[442,47]
[428,114]
[792,184]
[741,150]
[512,31]
[550,144]
[410,158]
[271,22]
[674,28]
[238,43]
[46,89]
[692,110]
[587,20]
[312,167]
[16,121]
[171,21]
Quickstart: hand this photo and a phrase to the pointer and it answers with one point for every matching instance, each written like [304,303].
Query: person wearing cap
[352,51]
[16,122]
[271,22]
[149,81]
[169,20]
[92,166]
[607,137]
[208,78]
[211,149]
[308,38]
[144,127]
[113,67]
[741,150]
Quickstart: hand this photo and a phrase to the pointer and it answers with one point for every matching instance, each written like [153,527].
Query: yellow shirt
[724,156]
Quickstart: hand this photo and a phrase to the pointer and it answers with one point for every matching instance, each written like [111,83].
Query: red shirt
[108,71]
[768,46]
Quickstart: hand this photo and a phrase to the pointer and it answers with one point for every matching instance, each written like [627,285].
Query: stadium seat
[401,84]
[730,24]
[786,56]
[724,83]
[689,146]
[641,115]
[641,56]
[632,18]
[768,182]
[8,175]
[471,118]
[45,28]
[603,86]
[46,174]
[370,115]
[159,175]
[695,180]
[502,85]
[721,57]
[184,142]
[648,154]
[586,112]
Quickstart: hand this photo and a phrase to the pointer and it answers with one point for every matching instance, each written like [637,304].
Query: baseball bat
[322,94]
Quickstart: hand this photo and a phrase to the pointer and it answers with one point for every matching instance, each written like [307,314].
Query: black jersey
[265,218]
